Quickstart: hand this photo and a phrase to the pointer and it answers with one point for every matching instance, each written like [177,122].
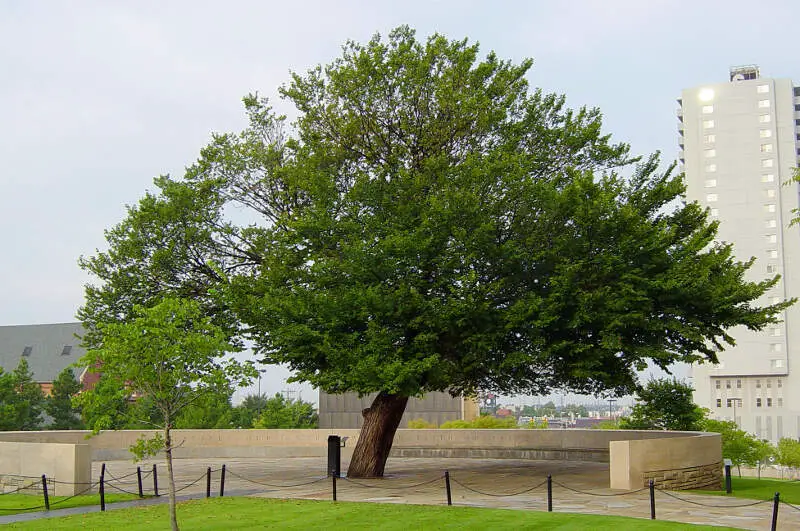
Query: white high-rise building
[739,145]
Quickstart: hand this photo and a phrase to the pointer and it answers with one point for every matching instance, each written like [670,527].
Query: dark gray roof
[47,355]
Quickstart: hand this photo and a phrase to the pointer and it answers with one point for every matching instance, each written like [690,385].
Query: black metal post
[728,488]
[155,480]
[549,493]
[776,501]
[44,491]
[208,482]
[333,479]
[652,500]
[102,491]
[447,486]
[222,482]
[139,480]
[334,455]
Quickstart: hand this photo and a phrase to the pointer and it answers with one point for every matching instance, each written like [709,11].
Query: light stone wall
[69,466]
[632,455]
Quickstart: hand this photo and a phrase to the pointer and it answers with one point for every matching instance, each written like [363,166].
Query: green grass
[760,489]
[12,503]
[260,513]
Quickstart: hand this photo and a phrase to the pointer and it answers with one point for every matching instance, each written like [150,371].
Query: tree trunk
[381,420]
[173,514]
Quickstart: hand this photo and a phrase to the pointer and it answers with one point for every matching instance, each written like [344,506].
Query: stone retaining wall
[695,477]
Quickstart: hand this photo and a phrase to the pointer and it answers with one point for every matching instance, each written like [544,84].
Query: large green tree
[173,356]
[285,413]
[59,405]
[430,223]
[21,399]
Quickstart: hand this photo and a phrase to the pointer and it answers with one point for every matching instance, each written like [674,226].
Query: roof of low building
[49,348]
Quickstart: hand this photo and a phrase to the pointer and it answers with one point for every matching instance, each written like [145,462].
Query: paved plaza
[580,487]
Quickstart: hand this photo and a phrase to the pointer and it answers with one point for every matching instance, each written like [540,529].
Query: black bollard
[155,480]
[208,482]
[222,482]
[549,493]
[333,479]
[44,491]
[139,480]
[102,492]
[652,500]
[447,486]
[776,501]
[728,488]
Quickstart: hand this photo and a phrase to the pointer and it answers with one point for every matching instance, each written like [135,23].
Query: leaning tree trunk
[381,420]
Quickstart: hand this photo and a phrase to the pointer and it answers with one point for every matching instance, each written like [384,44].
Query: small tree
[664,404]
[171,355]
[283,413]
[788,453]
[23,399]
[738,445]
[59,406]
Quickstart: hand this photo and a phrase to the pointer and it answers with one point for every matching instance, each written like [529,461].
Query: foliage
[482,422]
[739,446]
[788,453]
[420,424]
[172,356]
[430,223]
[21,399]
[245,414]
[280,412]
[59,404]
[10,503]
[664,404]
[610,424]
[228,513]
[210,411]
[549,409]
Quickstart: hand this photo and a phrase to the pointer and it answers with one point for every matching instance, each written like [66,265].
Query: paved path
[577,487]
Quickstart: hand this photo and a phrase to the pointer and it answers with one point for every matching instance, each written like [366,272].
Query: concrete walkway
[579,487]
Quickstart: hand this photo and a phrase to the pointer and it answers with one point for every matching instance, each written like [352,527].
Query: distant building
[48,349]
[739,142]
[344,411]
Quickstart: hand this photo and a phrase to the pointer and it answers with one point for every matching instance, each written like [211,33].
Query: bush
[483,422]
[420,424]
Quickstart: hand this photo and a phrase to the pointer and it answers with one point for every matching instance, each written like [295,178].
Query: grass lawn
[760,489]
[261,513]
[12,503]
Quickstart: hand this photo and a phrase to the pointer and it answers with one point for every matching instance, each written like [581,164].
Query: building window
[768,178]
[780,402]
[711,168]
[772,268]
[727,384]
[758,384]
[711,183]
[769,207]
[774,300]
[770,224]
[763,104]
[775,347]
[719,402]
[710,139]
[711,198]
[714,212]
[766,148]
[708,124]
[758,402]
[769,384]
[775,331]
[772,238]
[773,253]
[765,133]
[718,384]
[708,109]
[769,193]
[710,153]
[767,163]
[769,402]
[780,382]
[762,89]
[738,384]
[764,118]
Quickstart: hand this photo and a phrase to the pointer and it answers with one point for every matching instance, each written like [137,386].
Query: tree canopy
[664,404]
[431,223]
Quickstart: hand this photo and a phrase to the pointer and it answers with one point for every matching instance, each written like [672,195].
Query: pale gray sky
[97,98]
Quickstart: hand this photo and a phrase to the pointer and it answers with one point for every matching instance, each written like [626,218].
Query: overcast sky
[97,98]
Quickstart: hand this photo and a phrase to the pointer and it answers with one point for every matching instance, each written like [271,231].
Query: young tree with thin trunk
[173,356]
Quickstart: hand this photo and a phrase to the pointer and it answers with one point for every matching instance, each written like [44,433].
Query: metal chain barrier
[18,489]
[751,504]
[599,494]
[234,474]
[795,507]
[454,480]
[394,487]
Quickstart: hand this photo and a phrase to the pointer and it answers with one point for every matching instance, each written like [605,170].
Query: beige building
[344,410]
[739,145]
